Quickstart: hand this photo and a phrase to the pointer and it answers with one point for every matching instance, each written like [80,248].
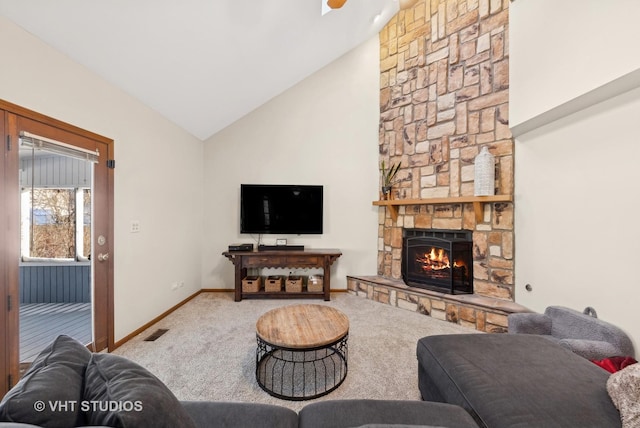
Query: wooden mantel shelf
[477,201]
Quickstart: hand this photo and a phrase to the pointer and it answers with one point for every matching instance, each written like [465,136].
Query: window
[56,223]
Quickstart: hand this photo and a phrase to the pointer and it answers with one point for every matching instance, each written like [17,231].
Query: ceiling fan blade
[406,4]
[336,4]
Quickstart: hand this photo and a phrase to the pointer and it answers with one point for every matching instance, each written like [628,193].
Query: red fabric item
[614,364]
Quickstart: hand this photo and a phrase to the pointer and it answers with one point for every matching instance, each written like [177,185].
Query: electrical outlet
[135,226]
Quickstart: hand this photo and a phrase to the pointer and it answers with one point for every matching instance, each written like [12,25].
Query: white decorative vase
[485,173]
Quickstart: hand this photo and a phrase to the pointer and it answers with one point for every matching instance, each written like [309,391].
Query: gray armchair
[583,334]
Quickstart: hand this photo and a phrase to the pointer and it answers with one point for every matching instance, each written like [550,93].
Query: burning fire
[436,260]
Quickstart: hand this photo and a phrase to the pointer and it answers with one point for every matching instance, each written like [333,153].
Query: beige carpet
[209,351]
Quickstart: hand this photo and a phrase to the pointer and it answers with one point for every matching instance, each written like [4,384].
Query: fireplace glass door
[441,263]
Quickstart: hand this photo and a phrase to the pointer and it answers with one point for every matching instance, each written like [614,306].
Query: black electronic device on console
[241,247]
[280,247]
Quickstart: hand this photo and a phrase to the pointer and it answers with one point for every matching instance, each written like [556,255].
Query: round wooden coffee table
[302,351]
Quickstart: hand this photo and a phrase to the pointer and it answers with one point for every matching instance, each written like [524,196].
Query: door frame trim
[6,362]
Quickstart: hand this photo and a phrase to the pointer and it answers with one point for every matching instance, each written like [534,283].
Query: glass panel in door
[55,249]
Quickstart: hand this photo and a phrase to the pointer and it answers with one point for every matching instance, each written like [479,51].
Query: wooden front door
[14,121]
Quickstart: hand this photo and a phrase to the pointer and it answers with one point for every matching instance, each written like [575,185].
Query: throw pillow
[614,364]
[624,389]
[121,393]
[49,393]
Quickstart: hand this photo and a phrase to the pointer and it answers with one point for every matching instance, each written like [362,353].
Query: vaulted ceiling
[202,64]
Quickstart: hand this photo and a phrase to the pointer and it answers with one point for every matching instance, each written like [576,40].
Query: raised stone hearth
[470,310]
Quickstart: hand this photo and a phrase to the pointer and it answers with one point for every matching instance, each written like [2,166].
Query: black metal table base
[301,374]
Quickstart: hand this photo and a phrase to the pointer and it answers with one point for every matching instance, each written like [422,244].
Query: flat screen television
[281,209]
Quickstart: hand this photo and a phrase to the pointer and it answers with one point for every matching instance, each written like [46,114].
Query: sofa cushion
[529,323]
[398,426]
[17,425]
[583,334]
[361,412]
[515,380]
[590,349]
[624,389]
[237,415]
[54,378]
[605,339]
[121,393]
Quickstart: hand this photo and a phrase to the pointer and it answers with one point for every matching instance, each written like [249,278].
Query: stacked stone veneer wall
[444,92]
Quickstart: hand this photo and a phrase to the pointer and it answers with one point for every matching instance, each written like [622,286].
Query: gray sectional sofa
[68,386]
[515,380]
[467,380]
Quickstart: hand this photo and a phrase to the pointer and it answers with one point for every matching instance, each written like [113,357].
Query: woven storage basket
[273,284]
[315,283]
[293,284]
[251,284]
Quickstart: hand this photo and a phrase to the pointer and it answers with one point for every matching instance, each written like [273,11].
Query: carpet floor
[209,350]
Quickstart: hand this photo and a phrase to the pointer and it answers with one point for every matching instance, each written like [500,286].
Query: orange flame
[438,259]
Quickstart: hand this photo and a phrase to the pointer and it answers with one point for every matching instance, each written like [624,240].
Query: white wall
[567,55]
[576,173]
[158,176]
[321,131]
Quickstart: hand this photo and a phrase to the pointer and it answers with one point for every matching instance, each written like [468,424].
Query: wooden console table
[243,260]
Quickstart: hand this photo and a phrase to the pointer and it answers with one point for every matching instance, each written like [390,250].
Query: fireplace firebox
[438,260]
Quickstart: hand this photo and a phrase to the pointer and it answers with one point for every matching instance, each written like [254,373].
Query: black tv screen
[280,209]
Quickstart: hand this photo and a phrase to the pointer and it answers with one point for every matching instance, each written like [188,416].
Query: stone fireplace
[444,94]
[439,260]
